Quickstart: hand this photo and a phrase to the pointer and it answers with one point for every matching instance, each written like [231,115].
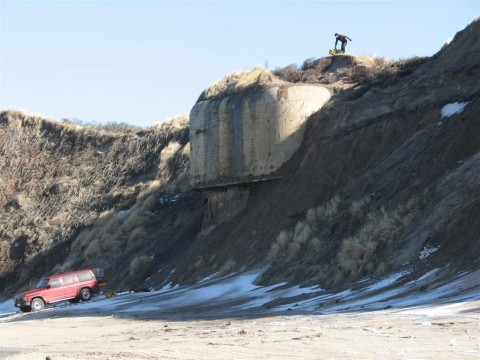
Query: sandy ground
[370,335]
[233,319]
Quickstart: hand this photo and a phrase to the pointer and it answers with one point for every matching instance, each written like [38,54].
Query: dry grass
[347,69]
[173,165]
[149,204]
[329,209]
[137,218]
[237,82]
[290,73]
[137,236]
[99,247]
[305,237]
[227,267]
[302,234]
[358,253]
[199,263]
[115,127]
[381,268]
[279,246]
[140,266]
[58,178]
[323,213]
[359,207]
[317,246]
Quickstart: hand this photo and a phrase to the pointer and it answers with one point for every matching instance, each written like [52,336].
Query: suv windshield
[42,283]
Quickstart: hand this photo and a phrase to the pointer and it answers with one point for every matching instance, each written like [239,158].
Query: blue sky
[142,62]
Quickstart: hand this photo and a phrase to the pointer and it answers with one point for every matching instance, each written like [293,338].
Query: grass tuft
[140,266]
[237,82]
[306,234]
[381,229]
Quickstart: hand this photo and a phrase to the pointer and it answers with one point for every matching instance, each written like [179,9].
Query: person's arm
[348,38]
[336,41]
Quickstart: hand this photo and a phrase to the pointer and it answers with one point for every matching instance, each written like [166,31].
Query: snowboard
[335,52]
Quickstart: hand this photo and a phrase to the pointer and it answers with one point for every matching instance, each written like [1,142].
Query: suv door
[54,291]
[70,286]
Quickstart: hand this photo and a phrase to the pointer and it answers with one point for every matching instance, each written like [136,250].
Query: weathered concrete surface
[249,135]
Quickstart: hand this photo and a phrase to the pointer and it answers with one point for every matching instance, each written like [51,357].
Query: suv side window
[70,279]
[84,276]
[55,283]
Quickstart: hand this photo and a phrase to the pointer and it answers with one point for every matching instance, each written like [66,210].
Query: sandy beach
[370,335]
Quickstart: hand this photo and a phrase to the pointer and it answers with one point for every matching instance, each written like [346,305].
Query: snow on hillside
[7,308]
[238,294]
[453,108]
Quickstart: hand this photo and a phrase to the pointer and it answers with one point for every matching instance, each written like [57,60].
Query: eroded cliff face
[238,138]
[373,176]
[382,173]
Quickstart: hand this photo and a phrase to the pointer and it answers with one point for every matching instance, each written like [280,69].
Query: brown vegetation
[239,81]
[346,69]
[310,242]
[139,266]
[58,178]
[307,233]
[358,254]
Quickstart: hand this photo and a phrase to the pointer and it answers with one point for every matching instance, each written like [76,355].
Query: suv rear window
[84,276]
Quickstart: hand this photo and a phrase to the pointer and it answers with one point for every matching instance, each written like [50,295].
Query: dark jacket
[342,38]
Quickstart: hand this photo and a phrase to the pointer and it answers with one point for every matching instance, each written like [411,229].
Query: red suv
[74,286]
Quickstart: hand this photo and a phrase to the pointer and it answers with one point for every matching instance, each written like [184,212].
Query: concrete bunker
[245,136]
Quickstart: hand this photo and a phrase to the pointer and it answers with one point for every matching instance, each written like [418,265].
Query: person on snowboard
[342,39]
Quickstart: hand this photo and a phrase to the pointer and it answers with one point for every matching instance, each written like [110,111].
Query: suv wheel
[37,304]
[85,294]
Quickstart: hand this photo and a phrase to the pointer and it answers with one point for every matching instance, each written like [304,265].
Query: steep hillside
[381,175]
[388,173]
[60,182]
